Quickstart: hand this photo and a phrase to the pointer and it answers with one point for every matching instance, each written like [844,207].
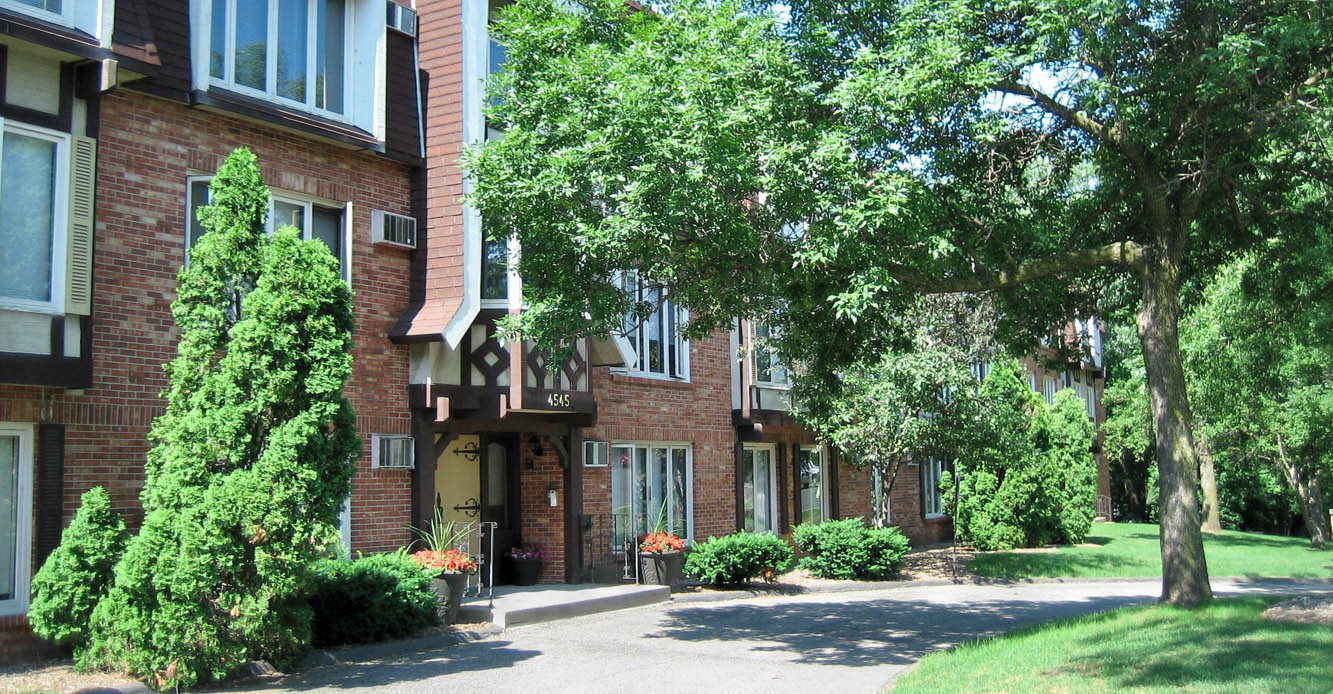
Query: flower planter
[526,571]
[661,568]
[448,590]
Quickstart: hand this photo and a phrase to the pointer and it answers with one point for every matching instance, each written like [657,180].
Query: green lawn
[1223,647]
[1121,549]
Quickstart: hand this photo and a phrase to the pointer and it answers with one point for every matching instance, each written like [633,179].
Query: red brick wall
[147,146]
[542,524]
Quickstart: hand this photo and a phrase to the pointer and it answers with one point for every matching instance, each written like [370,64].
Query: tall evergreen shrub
[78,573]
[251,458]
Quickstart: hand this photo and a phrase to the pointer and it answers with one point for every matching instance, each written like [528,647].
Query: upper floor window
[316,220]
[34,184]
[659,347]
[768,367]
[83,15]
[292,50]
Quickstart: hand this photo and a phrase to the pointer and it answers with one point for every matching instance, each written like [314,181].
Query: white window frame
[307,202]
[773,358]
[932,501]
[270,93]
[59,218]
[376,441]
[345,525]
[823,480]
[1050,386]
[90,17]
[688,535]
[18,604]
[631,282]
[772,484]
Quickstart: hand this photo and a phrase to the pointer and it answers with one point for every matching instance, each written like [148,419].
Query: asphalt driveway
[823,643]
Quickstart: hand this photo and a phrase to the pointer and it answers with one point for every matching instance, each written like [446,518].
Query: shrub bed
[847,549]
[738,558]
[374,598]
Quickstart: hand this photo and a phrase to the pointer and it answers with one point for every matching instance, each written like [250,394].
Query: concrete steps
[526,605]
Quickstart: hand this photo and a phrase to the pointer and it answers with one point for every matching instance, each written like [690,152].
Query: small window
[595,453]
[395,451]
[769,369]
[660,348]
[495,271]
[759,481]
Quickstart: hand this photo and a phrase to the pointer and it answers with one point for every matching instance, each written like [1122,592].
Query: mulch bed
[1312,610]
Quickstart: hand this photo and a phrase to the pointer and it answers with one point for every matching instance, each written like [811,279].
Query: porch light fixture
[471,452]
[535,445]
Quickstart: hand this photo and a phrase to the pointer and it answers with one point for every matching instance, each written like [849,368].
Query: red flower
[450,561]
[659,541]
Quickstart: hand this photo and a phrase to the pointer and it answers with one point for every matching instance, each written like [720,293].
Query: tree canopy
[817,164]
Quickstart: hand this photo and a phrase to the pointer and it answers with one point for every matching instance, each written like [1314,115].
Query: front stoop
[515,606]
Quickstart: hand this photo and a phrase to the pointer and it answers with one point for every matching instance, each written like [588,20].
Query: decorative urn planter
[526,571]
[661,568]
[448,590]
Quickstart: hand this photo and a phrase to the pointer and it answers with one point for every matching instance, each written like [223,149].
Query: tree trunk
[1212,513]
[1309,495]
[1184,570]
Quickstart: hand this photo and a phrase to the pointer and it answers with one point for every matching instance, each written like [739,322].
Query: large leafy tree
[817,163]
[251,459]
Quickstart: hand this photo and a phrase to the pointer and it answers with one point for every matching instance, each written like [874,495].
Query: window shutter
[49,497]
[780,464]
[82,191]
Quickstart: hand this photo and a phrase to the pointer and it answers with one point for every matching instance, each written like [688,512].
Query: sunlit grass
[1122,549]
[1223,647]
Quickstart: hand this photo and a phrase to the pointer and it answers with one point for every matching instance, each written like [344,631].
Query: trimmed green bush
[738,558]
[374,598]
[847,549]
[78,573]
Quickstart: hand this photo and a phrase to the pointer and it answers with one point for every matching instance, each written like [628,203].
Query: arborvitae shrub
[847,549]
[78,572]
[738,558]
[374,598]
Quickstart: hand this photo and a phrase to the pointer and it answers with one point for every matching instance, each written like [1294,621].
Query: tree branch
[1119,254]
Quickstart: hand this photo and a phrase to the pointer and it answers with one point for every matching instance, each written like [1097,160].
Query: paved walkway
[823,643]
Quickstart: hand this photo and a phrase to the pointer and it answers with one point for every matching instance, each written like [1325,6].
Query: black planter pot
[448,589]
[526,571]
[661,568]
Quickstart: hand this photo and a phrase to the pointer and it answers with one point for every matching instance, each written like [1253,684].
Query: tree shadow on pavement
[407,667]
[868,633]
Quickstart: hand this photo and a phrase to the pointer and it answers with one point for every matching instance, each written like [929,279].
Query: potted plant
[527,562]
[448,565]
[661,558]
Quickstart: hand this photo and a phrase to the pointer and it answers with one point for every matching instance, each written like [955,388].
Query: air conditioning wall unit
[393,229]
[392,452]
[400,18]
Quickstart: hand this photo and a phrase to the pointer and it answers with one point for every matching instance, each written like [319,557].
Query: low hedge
[847,549]
[738,558]
[374,598]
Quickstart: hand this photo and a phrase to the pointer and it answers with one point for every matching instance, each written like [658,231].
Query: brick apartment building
[118,111]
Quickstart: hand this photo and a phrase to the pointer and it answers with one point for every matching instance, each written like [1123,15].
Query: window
[1032,381]
[315,220]
[932,501]
[1049,388]
[980,370]
[759,479]
[651,485]
[34,184]
[814,484]
[345,527]
[15,516]
[291,50]
[596,453]
[659,347]
[768,367]
[495,272]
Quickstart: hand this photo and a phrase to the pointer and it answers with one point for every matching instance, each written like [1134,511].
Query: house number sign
[557,400]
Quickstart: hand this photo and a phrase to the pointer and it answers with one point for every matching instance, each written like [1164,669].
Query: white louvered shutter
[82,191]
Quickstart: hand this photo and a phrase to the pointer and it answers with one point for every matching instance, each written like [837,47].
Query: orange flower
[449,561]
[659,541]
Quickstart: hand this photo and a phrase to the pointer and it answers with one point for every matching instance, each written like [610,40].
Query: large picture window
[651,485]
[34,184]
[759,481]
[658,344]
[812,465]
[294,50]
[15,516]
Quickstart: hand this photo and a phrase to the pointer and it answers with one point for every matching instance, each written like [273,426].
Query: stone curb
[790,590]
[376,651]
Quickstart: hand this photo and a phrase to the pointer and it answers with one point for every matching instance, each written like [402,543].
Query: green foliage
[847,549]
[374,598]
[78,572]
[1032,479]
[738,558]
[251,459]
